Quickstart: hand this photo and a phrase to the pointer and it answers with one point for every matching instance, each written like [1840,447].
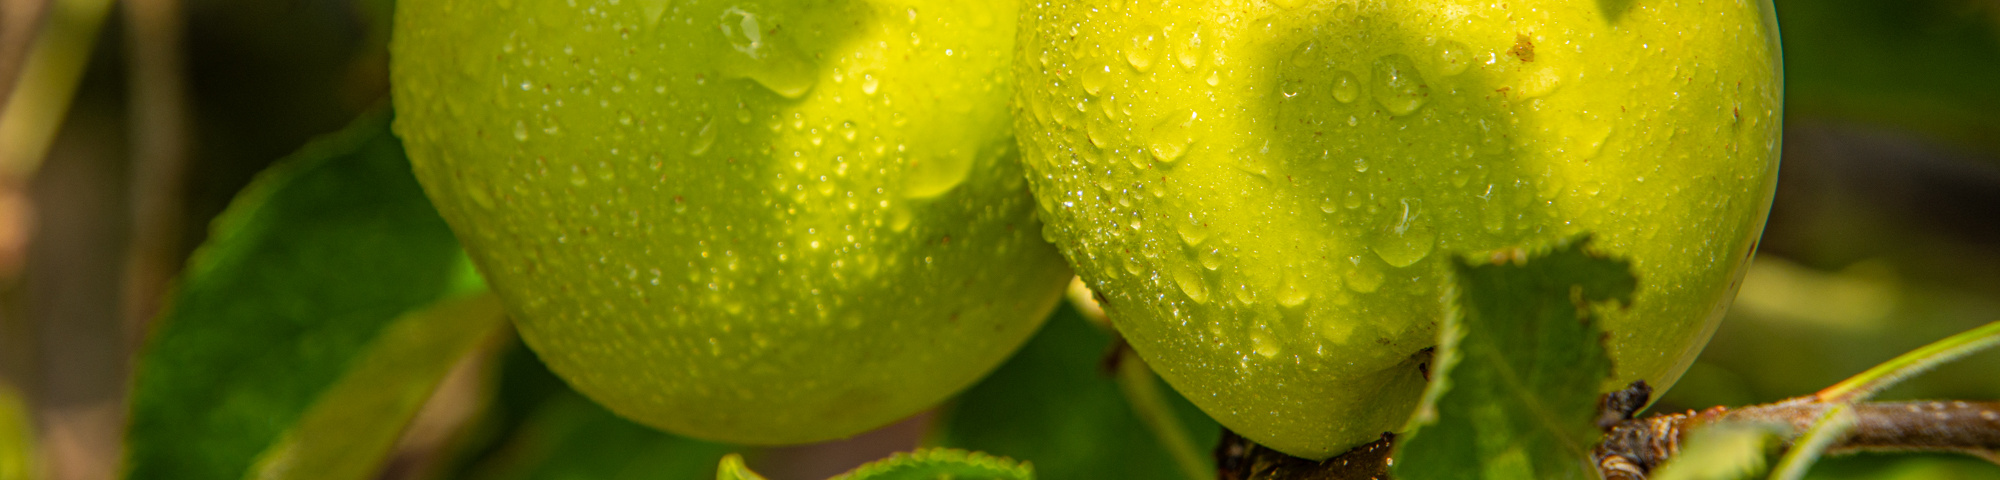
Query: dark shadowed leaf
[1054,406]
[540,429]
[300,278]
[1518,368]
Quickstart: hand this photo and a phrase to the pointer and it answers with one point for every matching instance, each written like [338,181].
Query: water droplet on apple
[1397,85]
[768,58]
[934,174]
[1408,239]
[520,130]
[1364,279]
[1145,48]
[1093,78]
[1264,345]
[704,138]
[1190,50]
[1170,137]
[1454,57]
[1291,294]
[1189,281]
[1346,88]
[1095,129]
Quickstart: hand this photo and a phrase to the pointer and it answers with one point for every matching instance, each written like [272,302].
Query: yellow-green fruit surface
[1267,192]
[759,222]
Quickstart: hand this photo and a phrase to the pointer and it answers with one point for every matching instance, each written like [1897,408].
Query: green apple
[1266,192]
[760,222]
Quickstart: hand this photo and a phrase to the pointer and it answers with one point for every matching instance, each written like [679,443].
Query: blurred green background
[1885,234]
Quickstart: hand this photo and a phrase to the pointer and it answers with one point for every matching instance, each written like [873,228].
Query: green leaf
[551,432]
[1723,451]
[941,464]
[1514,393]
[300,277]
[362,415]
[1053,405]
[924,464]
[732,468]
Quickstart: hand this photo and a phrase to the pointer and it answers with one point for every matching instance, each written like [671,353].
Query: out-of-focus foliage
[17,439]
[1055,406]
[302,276]
[1927,65]
[539,429]
[360,417]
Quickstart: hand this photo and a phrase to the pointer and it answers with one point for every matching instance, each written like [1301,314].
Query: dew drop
[1145,48]
[1094,78]
[1095,129]
[1346,88]
[1189,281]
[1264,345]
[520,130]
[1170,137]
[1454,57]
[1191,232]
[1397,85]
[1211,258]
[1291,294]
[932,175]
[704,139]
[1364,279]
[771,61]
[1190,50]
[1409,239]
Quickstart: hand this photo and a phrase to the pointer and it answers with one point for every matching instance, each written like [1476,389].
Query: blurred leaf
[941,464]
[17,437]
[361,416]
[1724,451]
[300,276]
[1927,65]
[570,438]
[1052,405]
[732,468]
[924,464]
[537,428]
[1514,394]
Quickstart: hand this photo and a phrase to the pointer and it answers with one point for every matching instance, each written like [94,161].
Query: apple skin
[757,222]
[1267,192]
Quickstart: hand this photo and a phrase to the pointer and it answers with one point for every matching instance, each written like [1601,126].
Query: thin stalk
[1866,384]
[1135,379]
[1830,427]
[49,75]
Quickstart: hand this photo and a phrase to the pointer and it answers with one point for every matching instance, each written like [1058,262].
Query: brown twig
[159,155]
[1633,448]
